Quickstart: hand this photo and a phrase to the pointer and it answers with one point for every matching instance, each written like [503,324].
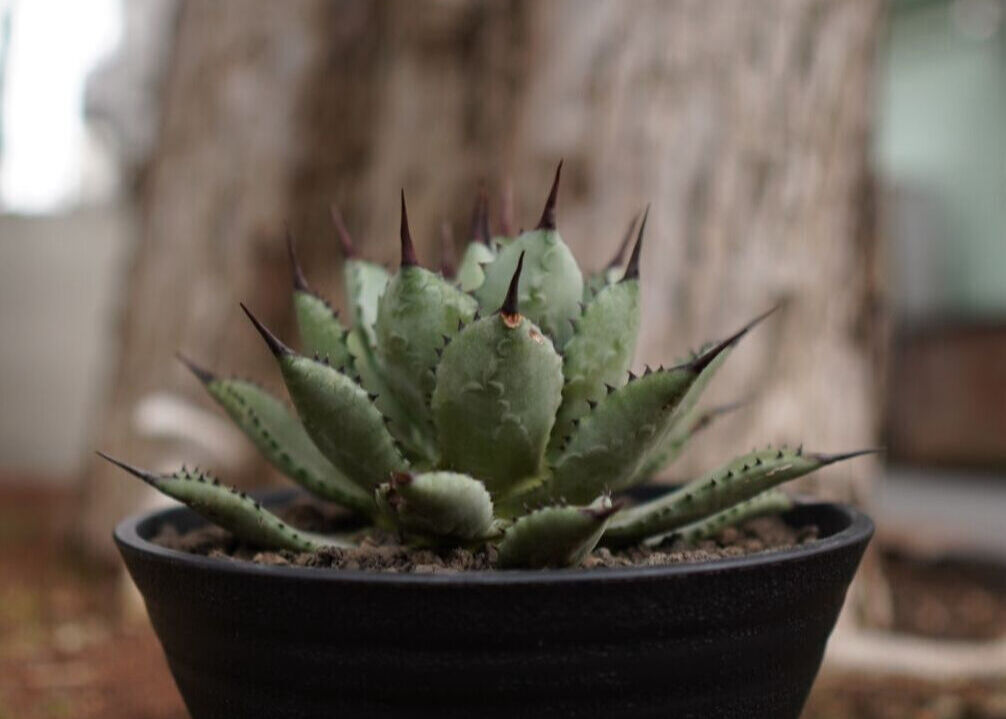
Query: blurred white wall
[76,127]
[60,277]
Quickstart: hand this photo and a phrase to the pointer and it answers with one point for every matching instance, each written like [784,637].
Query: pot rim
[858,528]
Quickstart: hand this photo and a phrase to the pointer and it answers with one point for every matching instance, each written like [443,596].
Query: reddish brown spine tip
[706,358]
[832,458]
[203,375]
[547,221]
[408,249]
[275,346]
[146,476]
[299,281]
[400,478]
[510,306]
[632,269]
[348,249]
[623,246]
[480,231]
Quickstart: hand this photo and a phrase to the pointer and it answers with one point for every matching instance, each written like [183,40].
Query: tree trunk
[214,203]
[746,125]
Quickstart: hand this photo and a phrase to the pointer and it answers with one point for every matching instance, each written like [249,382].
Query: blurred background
[847,157]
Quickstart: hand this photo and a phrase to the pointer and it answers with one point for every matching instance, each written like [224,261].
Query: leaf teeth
[299,281]
[632,269]
[348,250]
[203,375]
[548,215]
[408,249]
[275,346]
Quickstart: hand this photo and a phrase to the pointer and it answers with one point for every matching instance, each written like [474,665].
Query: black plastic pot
[728,638]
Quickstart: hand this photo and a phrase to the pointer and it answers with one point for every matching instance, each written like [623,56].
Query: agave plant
[496,406]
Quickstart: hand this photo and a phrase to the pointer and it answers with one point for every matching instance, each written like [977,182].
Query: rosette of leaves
[493,406]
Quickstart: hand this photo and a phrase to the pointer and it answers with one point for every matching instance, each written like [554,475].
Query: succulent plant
[496,406]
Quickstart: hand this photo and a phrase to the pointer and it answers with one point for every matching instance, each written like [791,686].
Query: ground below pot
[738,637]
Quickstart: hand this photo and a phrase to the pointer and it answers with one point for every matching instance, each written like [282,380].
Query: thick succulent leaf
[555,536]
[416,312]
[691,399]
[411,432]
[321,332]
[551,286]
[683,428]
[232,510]
[611,443]
[675,434]
[471,274]
[439,504]
[339,416]
[599,353]
[365,284]
[773,501]
[281,438]
[498,386]
[670,442]
[741,479]
[342,421]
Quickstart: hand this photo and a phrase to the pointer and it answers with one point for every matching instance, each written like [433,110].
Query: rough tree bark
[214,201]
[745,124]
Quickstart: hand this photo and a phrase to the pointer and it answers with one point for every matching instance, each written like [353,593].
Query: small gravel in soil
[381,552]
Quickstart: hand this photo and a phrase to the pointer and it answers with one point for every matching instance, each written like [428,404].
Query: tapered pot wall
[731,638]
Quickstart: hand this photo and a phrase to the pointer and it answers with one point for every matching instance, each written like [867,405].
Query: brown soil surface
[951,598]
[65,653]
[854,696]
[381,552]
